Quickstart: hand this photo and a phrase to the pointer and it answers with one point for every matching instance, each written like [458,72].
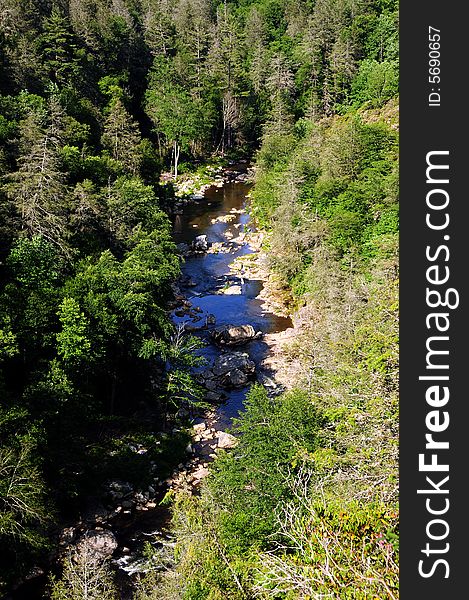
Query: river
[223,218]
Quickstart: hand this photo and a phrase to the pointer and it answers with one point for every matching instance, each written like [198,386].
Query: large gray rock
[213,397]
[235,378]
[233,360]
[226,440]
[210,319]
[234,369]
[234,335]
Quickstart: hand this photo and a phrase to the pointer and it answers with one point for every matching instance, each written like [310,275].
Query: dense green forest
[98,98]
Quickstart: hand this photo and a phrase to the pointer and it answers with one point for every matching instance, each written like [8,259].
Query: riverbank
[122,513]
[277,300]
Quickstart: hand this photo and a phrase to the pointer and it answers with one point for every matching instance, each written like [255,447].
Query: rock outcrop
[101,544]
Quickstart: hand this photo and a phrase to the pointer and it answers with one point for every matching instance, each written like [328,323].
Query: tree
[343,65]
[22,494]
[131,204]
[125,304]
[87,217]
[176,114]
[225,62]
[376,82]
[193,35]
[73,343]
[59,49]
[280,85]
[19,27]
[31,296]
[122,137]
[86,576]
[158,27]
[180,385]
[38,187]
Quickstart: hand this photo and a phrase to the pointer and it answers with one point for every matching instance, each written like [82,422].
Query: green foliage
[58,49]
[21,493]
[137,457]
[376,82]
[34,263]
[32,293]
[337,187]
[8,343]
[73,345]
[184,120]
[249,483]
[130,205]
[348,551]
[85,576]
[121,137]
[124,299]
[23,510]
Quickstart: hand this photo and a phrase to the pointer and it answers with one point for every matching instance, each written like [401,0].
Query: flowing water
[207,275]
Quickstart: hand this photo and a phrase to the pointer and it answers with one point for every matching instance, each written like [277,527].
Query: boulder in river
[210,319]
[235,378]
[233,290]
[233,370]
[200,244]
[233,360]
[211,396]
[234,335]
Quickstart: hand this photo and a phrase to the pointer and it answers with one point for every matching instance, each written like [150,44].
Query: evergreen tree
[280,85]
[59,50]
[121,137]
[225,65]
[38,187]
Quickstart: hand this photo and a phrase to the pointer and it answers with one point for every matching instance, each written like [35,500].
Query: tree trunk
[176,153]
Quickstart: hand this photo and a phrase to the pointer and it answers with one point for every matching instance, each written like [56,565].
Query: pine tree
[158,27]
[280,84]
[224,63]
[59,49]
[38,187]
[122,137]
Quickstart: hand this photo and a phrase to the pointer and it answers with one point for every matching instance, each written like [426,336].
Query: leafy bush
[376,82]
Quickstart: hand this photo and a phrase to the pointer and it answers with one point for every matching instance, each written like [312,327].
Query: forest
[105,105]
